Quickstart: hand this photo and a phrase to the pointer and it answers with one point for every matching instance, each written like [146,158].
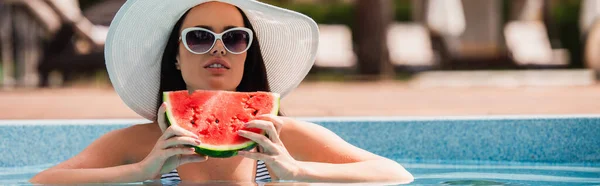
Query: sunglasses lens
[236,40]
[199,41]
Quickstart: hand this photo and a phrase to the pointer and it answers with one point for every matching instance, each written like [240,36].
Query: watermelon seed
[217,121]
[255,112]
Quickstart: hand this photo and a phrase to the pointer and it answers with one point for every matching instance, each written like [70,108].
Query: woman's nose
[218,49]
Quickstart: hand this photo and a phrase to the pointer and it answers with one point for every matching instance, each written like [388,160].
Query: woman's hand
[273,152]
[170,150]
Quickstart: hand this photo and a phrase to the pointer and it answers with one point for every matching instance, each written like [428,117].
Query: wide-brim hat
[139,32]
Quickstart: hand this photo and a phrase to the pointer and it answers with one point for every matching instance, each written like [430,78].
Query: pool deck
[315,99]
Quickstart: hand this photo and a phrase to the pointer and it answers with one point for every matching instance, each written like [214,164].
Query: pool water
[441,173]
[509,150]
[504,173]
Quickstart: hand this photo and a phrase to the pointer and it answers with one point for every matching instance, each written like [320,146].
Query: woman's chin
[217,85]
[214,83]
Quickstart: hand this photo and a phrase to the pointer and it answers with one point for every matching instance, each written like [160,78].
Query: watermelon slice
[216,116]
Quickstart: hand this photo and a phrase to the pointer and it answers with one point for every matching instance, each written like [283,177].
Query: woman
[238,45]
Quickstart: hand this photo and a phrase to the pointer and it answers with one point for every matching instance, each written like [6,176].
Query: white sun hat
[139,32]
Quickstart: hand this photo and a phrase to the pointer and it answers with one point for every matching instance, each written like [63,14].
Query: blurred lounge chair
[23,25]
[69,43]
[335,48]
[77,49]
[445,22]
[410,47]
[43,13]
[446,17]
[70,12]
[529,45]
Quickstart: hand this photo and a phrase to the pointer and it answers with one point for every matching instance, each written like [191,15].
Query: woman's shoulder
[134,142]
[294,129]
[139,134]
[131,135]
[136,131]
[145,129]
[309,141]
[294,125]
[126,145]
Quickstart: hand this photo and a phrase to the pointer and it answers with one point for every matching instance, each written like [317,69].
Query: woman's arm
[379,170]
[302,151]
[127,155]
[106,159]
[118,174]
[89,166]
[325,157]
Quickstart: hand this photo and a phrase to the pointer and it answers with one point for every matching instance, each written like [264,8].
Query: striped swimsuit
[262,174]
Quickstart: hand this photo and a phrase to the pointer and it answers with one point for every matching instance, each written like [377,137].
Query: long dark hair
[253,79]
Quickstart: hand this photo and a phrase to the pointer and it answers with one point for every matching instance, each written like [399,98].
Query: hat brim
[139,32]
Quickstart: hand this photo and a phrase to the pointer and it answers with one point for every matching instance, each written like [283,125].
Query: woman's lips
[217,66]
[217,63]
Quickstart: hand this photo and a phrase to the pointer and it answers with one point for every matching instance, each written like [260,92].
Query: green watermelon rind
[219,151]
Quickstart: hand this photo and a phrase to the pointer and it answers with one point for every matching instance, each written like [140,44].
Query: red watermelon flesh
[216,116]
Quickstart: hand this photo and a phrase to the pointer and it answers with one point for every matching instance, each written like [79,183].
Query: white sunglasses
[200,40]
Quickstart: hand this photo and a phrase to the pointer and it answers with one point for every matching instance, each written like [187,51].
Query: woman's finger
[267,144]
[276,120]
[175,130]
[266,126]
[178,150]
[182,132]
[180,140]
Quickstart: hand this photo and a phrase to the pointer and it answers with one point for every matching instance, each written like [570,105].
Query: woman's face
[199,70]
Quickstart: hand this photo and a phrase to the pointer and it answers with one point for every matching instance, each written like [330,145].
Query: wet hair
[253,79]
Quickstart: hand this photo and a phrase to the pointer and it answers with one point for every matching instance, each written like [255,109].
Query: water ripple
[503,176]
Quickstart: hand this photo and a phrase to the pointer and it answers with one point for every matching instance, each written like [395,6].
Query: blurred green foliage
[328,12]
[338,12]
[565,18]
